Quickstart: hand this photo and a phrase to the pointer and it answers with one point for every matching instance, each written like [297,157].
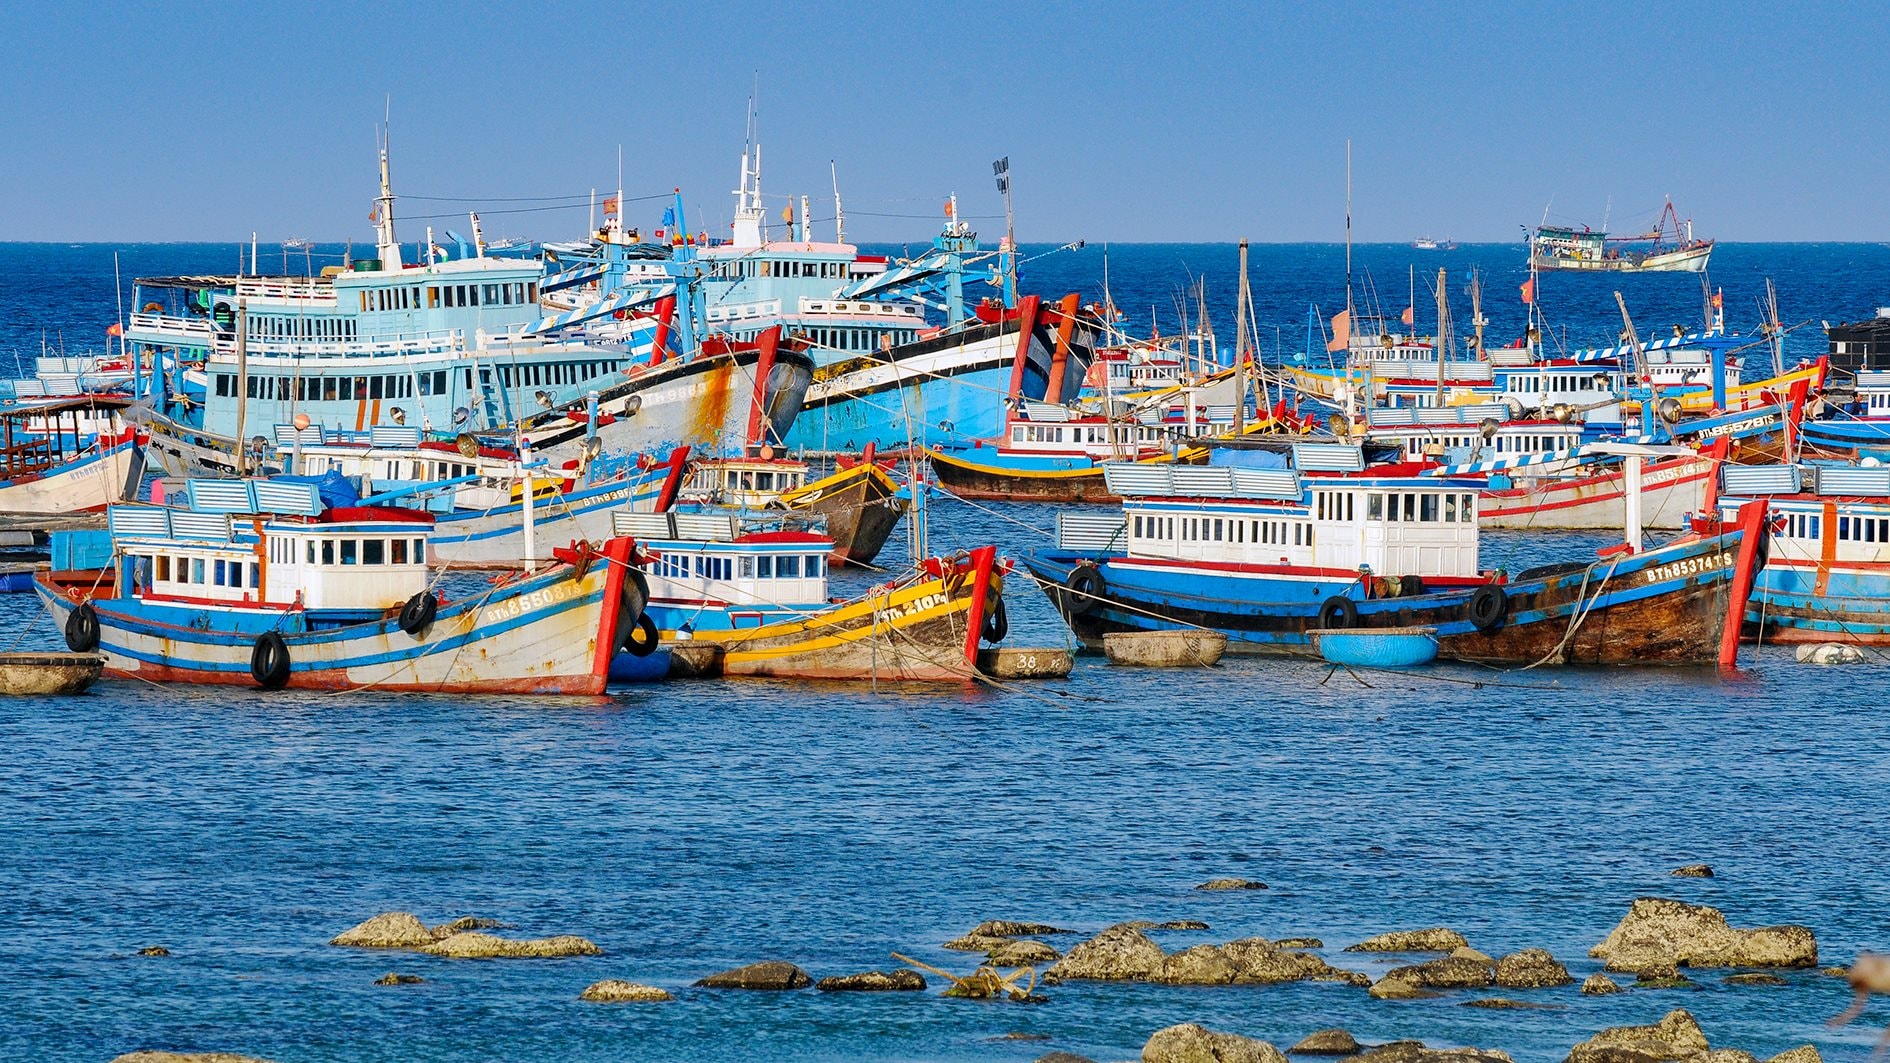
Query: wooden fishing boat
[1050,454]
[1270,555]
[761,592]
[67,455]
[45,674]
[1827,569]
[859,505]
[258,582]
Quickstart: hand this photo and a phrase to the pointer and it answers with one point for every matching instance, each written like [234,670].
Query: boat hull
[1670,490]
[1683,260]
[496,537]
[87,485]
[862,507]
[546,634]
[1800,600]
[972,479]
[1664,606]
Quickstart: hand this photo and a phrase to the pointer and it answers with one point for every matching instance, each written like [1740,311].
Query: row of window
[559,373]
[712,479]
[1553,382]
[856,339]
[407,297]
[351,551]
[271,327]
[767,566]
[761,267]
[1082,433]
[1421,506]
[1803,526]
[1222,530]
[206,572]
[335,388]
[1864,529]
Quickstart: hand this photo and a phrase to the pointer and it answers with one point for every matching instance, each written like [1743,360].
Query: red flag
[610,206]
[1408,314]
[1341,331]
[1718,300]
[374,214]
[1529,291]
[115,330]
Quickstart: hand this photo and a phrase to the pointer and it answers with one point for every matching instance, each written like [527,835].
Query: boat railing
[765,308]
[906,311]
[288,291]
[1092,532]
[165,326]
[401,343]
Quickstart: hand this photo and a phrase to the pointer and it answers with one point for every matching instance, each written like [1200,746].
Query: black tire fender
[269,661]
[82,629]
[1338,613]
[641,639]
[417,615]
[1086,587]
[996,623]
[1488,608]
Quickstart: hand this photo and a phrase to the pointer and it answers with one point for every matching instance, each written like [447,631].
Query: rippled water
[689,828]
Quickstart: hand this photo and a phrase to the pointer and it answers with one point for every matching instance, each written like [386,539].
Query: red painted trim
[1751,522]
[665,310]
[1026,328]
[767,342]
[678,461]
[981,561]
[617,556]
[1060,358]
[783,537]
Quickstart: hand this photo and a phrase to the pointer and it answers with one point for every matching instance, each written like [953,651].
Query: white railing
[195,330]
[288,291]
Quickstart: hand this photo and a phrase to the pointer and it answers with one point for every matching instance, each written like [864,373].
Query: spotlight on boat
[398,415]
[544,399]
[461,416]
[1669,409]
[467,444]
[1678,332]
[593,447]
[1601,381]
[258,444]
[631,405]
[1488,427]
[1561,412]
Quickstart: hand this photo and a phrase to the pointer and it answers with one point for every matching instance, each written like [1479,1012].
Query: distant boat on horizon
[1425,243]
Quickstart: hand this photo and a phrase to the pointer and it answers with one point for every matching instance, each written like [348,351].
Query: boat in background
[260,582]
[1827,569]
[60,456]
[857,505]
[1669,248]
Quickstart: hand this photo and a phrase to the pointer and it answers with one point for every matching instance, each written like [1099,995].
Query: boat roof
[39,407]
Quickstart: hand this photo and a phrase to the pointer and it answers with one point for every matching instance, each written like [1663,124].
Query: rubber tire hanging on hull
[1338,613]
[641,647]
[269,661]
[82,629]
[1488,608]
[1086,587]
[417,615]
[996,623]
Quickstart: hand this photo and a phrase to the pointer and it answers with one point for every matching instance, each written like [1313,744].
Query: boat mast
[1241,339]
[839,215]
[1348,233]
[1443,330]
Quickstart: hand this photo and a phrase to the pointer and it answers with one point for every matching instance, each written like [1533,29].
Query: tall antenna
[839,215]
[1348,231]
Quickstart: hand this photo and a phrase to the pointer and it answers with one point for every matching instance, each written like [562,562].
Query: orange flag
[1341,331]
[1408,314]
[115,330]
[1529,291]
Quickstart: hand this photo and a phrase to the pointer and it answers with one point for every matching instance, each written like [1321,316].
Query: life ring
[644,645]
[417,615]
[1488,608]
[1410,586]
[269,661]
[1337,613]
[82,629]
[996,623]
[1086,587]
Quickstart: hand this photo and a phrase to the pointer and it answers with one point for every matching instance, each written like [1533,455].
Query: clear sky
[1153,122]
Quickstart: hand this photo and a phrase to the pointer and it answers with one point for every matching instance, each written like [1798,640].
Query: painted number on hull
[1691,566]
[922,603]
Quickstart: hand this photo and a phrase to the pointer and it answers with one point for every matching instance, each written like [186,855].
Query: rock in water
[1829,653]
[1062,1057]
[976,943]
[1530,969]
[1676,1036]
[1231,884]
[473,945]
[1333,1042]
[388,930]
[1395,986]
[1120,953]
[614,991]
[1754,978]
[1468,953]
[1693,871]
[1179,924]
[392,978]
[1189,1043]
[1024,953]
[900,981]
[152,1056]
[1006,928]
[465,923]
[1249,961]
[1436,939]
[1659,933]
[1416,1052]
[1598,984]
[1300,943]
[1801,1054]
[768,974]
[1445,972]
[154,950]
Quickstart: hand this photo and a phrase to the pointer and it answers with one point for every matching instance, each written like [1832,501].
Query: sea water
[691,827]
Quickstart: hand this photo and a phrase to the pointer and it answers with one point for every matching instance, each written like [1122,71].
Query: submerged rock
[902,980]
[1332,1042]
[1231,884]
[155,1056]
[1062,1057]
[1120,953]
[1006,928]
[1435,939]
[388,930]
[1801,1054]
[1693,871]
[1445,972]
[1658,933]
[1025,953]
[768,974]
[465,923]
[1418,1052]
[1754,978]
[473,945]
[976,943]
[1531,969]
[1300,943]
[1180,924]
[1663,978]
[615,991]
[1599,984]
[1249,961]
[394,978]
[154,950]
[1506,1004]
[1396,986]
[1191,1043]
[1676,1036]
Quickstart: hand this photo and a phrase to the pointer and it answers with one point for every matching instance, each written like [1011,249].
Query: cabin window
[164,567]
[788,566]
[764,566]
[419,551]
[433,296]
[1450,509]
[1466,509]
[1217,529]
[816,565]
[373,552]
[747,567]
[255,575]
[196,570]
[328,551]
[1375,506]
[398,552]
[218,574]
[1427,507]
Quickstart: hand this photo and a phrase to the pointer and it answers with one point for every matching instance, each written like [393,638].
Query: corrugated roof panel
[1091,532]
[283,496]
[222,496]
[1853,480]
[1759,479]
[139,522]
[1328,457]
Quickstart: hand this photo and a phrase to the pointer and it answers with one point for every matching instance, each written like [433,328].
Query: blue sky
[1208,121]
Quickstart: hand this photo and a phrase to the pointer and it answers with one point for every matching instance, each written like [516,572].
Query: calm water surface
[689,828]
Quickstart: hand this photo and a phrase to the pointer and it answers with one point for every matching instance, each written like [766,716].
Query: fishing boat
[1669,248]
[1268,553]
[60,456]
[260,583]
[1050,454]
[759,589]
[857,505]
[1827,545]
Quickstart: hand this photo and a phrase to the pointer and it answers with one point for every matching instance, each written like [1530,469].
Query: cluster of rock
[1660,935]
[1125,953]
[1677,1038]
[462,938]
[1466,968]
